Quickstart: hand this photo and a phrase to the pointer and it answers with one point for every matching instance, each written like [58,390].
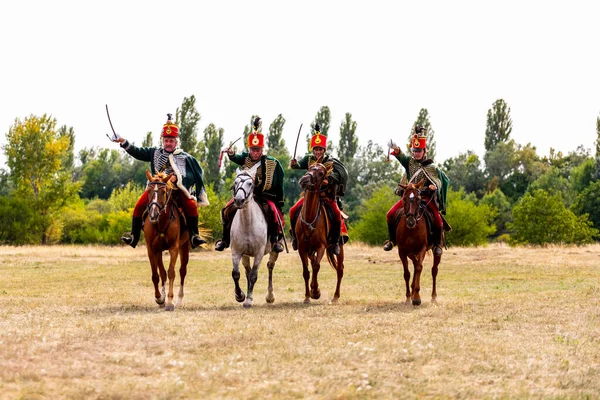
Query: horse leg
[340,273]
[155,278]
[173,252]
[404,260]
[416,283]
[434,272]
[235,273]
[184,254]
[252,276]
[315,292]
[270,265]
[305,273]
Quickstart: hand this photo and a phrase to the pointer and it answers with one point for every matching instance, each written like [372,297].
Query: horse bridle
[245,177]
[162,208]
[418,215]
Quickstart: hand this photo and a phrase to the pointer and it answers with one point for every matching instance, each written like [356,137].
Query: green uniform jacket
[339,174]
[427,170]
[188,167]
[268,181]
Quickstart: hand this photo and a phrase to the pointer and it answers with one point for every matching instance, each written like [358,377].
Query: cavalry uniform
[337,179]
[189,175]
[268,191]
[415,171]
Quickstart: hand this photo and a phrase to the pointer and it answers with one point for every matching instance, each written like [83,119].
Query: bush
[588,202]
[209,217]
[471,223]
[540,218]
[371,228]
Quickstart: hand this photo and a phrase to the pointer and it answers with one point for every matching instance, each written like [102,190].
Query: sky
[381,61]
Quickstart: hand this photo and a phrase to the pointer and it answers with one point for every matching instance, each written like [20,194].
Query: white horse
[249,237]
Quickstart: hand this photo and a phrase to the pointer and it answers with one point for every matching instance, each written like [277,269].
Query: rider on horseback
[337,184]
[187,173]
[420,167]
[268,189]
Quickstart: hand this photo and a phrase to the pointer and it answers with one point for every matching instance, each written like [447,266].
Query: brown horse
[413,243]
[311,230]
[162,230]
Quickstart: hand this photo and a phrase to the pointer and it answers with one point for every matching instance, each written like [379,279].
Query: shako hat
[169,128]
[317,139]
[419,138]
[256,138]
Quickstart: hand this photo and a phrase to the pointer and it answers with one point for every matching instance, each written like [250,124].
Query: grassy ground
[81,322]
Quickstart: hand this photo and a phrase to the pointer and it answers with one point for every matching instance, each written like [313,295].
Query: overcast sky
[382,61]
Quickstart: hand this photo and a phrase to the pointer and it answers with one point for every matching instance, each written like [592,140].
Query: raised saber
[226,150]
[115,136]
[296,147]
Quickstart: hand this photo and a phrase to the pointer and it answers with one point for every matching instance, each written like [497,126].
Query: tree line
[49,194]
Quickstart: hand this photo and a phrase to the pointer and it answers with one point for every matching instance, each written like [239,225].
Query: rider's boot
[437,241]
[132,238]
[293,234]
[275,244]
[335,237]
[195,239]
[390,243]
[224,242]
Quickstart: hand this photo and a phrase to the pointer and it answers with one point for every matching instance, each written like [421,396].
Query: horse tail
[332,259]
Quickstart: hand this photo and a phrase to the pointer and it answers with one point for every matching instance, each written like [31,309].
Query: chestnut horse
[412,241]
[162,230]
[311,230]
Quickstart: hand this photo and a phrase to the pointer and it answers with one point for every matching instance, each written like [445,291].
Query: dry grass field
[81,322]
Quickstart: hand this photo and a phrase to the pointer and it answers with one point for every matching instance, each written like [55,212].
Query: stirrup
[437,250]
[129,239]
[388,245]
[221,245]
[335,249]
[196,241]
[277,247]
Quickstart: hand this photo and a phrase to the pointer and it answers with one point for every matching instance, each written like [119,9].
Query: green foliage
[423,120]
[371,228]
[348,144]
[588,202]
[274,139]
[540,219]
[209,217]
[582,175]
[19,224]
[102,172]
[465,171]
[86,225]
[499,124]
[552,182]
[498,202]
[124,198]
[209,156]
[471,223]
[35,153]
[187,118]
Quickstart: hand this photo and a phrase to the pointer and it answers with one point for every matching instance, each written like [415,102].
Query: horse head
[411,200]
[243,187]
[159,193]
[314,178]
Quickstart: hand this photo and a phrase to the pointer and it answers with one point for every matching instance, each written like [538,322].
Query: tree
[465,171]
[209,155]
[35,153]
[500,161]
[68,161]
[499,124]
[423,120]
[597,143]
[540,219]
[187,119]
[553,182]
[348,144]
[588,202]
[102,174]
[502,210]
[274,139]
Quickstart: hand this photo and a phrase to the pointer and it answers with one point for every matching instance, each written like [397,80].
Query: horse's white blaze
[411,196]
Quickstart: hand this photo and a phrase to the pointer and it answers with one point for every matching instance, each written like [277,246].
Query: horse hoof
[240,298]
[247,304]
[160,302]
[416,302]
[315,295]
[270,299]
[334,301]
[170,307]
[307,300]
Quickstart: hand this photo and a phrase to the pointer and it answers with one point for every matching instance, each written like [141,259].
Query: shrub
[540,218]
[371,228]
[471,223]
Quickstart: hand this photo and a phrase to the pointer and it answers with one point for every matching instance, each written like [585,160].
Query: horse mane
[161,176]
